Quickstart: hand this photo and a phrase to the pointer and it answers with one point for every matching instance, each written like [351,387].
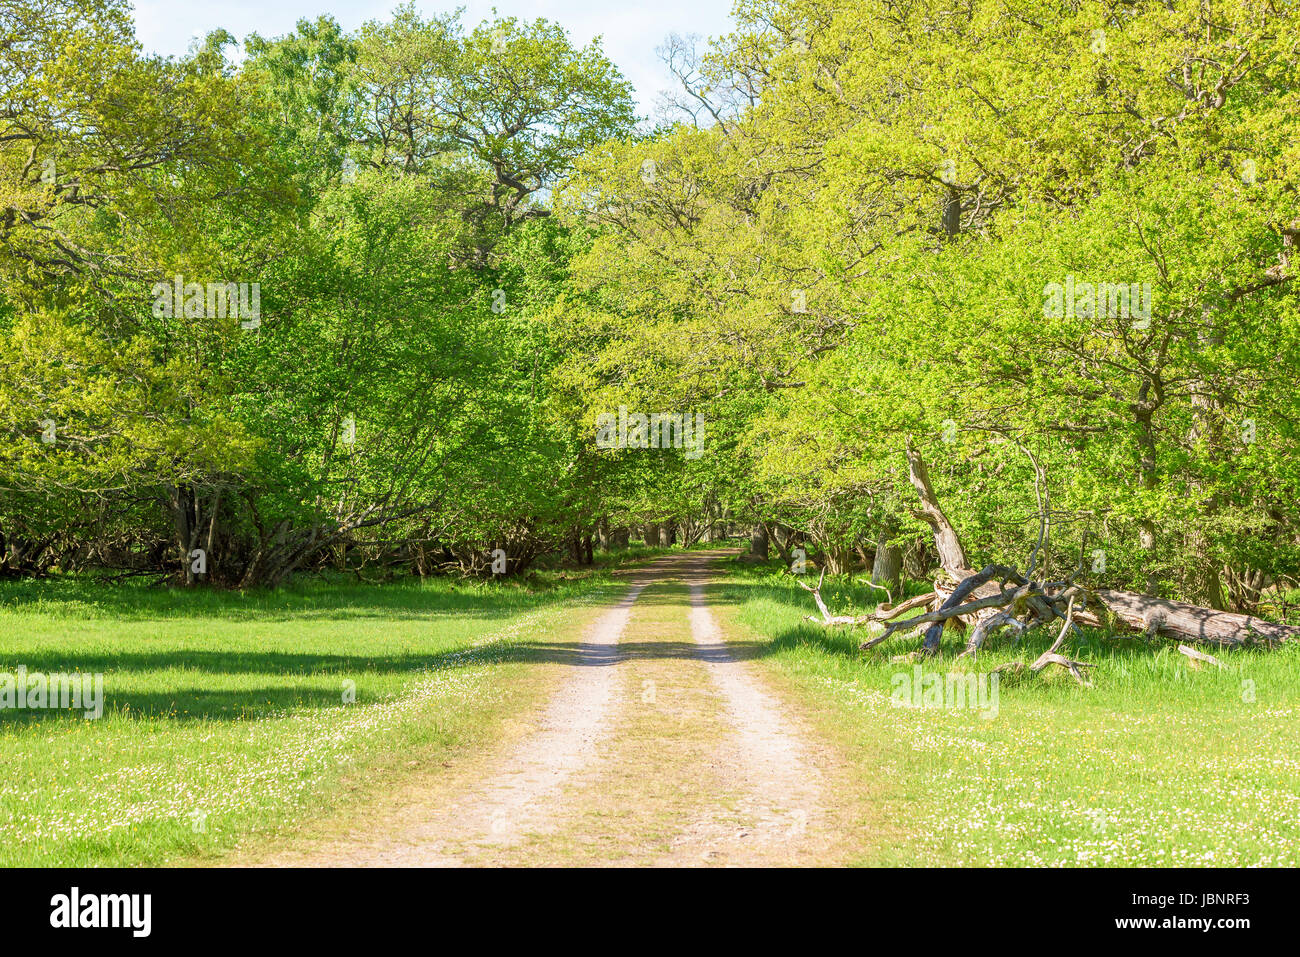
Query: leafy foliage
[1051,245]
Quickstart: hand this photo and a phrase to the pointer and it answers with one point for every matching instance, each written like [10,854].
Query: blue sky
[631,28]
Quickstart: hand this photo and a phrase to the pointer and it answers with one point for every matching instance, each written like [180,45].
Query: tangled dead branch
[1052,655]
[999,598]
[884,611]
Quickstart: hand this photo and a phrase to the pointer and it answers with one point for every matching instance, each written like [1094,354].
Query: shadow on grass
[323,675]
[329,594]
[290,679]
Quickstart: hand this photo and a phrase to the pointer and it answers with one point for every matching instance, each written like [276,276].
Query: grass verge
[1158,764]
[231,715]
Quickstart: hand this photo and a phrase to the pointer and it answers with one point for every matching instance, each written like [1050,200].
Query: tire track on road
[779,820]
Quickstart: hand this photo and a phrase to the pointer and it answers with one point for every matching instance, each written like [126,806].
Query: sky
[631,28]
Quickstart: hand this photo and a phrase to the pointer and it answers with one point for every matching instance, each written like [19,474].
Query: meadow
[229,714]
[1159,763]
[232,716]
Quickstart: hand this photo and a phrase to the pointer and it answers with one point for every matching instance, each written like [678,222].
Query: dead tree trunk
[1160,617]
[1000,597]
[952,556]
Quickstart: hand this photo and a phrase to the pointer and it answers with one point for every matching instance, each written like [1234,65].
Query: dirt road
[659,745]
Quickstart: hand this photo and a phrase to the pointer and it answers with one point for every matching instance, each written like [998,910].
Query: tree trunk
[917,560]
[758,543]
[950,206]
[1175,619]
[183,502]
[952,556]
[1144,411]
[782,536]
[887,567]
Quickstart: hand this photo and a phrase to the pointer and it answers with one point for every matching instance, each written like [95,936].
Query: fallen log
[1160,617]
[983,599]
[1103,607]
[1122,611]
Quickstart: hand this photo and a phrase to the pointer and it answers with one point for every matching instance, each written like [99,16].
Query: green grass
[1157,764]
[225,712]
[225,718]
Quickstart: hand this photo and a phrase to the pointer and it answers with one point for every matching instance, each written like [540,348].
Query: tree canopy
[1048,246]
